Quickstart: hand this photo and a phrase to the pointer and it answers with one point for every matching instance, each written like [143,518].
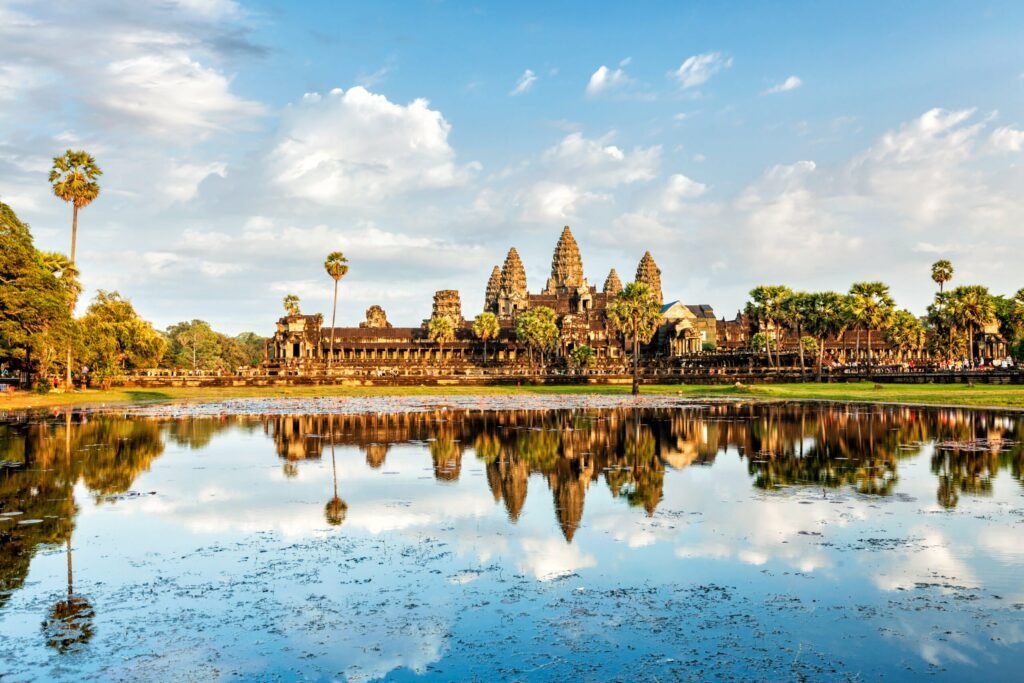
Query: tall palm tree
[765,307]
[73,178]
[336,266]
[973,309]
[485,327]
[796,310]
[826,318]
[336,508]
[942,272]
[636,314]
[871,308]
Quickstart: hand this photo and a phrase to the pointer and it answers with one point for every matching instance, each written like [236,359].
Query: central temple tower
[566,265]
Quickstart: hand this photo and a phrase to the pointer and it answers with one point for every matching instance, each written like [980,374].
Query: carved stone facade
[512,293]
[493,289]
[566,265]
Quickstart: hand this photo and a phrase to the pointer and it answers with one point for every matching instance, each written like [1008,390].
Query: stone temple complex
[301,343]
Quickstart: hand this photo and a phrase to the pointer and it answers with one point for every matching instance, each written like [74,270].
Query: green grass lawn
[943,394]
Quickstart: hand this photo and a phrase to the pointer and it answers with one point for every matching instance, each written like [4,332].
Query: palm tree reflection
[336,508]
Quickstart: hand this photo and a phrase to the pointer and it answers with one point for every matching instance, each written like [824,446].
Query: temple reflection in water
[627,451]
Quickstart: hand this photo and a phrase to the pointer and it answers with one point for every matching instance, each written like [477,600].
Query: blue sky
[812,144]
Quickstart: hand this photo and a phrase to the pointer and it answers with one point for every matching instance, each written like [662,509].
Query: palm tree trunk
[869,350]
[636,362]
[800,346]
[970,343]
[334,314]
[821,356]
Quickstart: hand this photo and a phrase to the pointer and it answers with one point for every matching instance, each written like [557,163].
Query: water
[722,541]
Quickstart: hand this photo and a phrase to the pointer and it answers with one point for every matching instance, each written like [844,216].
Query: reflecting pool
[455,542]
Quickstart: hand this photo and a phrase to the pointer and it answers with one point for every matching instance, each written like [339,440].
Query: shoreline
[981,397]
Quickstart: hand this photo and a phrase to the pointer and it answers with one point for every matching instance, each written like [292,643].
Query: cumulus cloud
[183,179]
[356,147]
[698,69]
[604,80]
[791,83]
[1007,139]
[524,83]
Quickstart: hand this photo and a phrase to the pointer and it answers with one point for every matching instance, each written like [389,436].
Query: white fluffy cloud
[605,79]
[524,83]
[698,69]
[791,83]
[1007,139]
[356,147]
[168,94]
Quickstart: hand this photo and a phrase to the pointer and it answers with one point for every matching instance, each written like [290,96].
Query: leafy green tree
[973,309]
[582,356]
[766,309]
[116,338]
[946,337]
[441,330]
[34,310]
[485,327]
[871,308]
[291,304]
[336,266]
[252,347]
[942,272]
[194,344]
[636,314]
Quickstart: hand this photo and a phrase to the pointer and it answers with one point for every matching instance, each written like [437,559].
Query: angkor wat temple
[301,342]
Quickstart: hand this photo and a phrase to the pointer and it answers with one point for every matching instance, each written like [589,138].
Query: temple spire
[566,263]
[648,273]
[612,284]
[493,287]
[513,275]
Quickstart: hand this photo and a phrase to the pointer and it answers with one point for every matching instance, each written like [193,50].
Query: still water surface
[723,541]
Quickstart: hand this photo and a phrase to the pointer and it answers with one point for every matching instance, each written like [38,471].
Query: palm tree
[485,327]
[796,310]
[765,307]
[827,318]
[636,314]
[906,332]
[336,508]
[871,308]
[973,310]
[336,266]
[441,329]
[73,178]
[942,272]
[291,304]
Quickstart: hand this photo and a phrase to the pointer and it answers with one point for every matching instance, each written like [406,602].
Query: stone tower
[648,273]
[376,318]
[447,303]
[512,294]
[612,284]
[566,264]
[493,287]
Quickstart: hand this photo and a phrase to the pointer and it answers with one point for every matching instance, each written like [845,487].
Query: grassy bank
[941,394]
